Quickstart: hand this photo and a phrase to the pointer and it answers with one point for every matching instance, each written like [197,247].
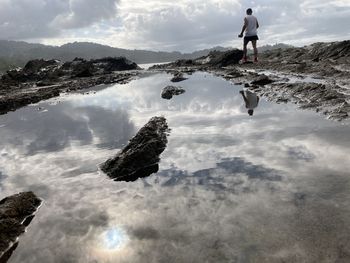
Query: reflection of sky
[114,238]
[267,188]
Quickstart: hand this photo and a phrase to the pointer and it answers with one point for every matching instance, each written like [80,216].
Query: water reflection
[114,239]
[251,100]
[61,125]
[271,188]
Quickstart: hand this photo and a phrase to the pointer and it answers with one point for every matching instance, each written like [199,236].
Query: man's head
[250,112]
[249,11]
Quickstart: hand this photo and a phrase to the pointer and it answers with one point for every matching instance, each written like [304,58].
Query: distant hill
[270,47]
[273,47]
[17,53]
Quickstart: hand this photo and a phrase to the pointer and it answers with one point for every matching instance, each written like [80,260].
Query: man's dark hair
[249,11]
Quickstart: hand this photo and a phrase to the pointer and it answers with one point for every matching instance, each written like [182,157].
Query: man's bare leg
[255,50]
[244,52]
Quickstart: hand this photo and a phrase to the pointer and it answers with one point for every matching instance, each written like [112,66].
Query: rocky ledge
[16,213]
[140,157]
[43,79]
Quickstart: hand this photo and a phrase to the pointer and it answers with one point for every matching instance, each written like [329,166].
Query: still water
[272,187]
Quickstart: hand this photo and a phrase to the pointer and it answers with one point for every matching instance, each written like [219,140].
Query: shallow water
[274,187]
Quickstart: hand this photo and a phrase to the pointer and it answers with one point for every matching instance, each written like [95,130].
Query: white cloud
[172,25]
[27,19]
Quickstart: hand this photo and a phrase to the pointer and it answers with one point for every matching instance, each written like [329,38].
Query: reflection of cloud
[300,153]
[113,128]
[61,125]
[229,174]
[2,177]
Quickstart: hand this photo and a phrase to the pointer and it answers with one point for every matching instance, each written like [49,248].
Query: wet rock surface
[262,80]
[320,97]
[170,91]
[141,156]
[16,213]
[315,77]
[44,79]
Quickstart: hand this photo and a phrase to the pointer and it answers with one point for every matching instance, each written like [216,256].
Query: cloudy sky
[183,25]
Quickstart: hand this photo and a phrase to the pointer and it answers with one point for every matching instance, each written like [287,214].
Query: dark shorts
[247,39]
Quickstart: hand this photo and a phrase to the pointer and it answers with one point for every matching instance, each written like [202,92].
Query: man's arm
[243,28]
[244,97]
[257,24]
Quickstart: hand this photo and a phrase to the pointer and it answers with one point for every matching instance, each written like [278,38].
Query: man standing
[251,34]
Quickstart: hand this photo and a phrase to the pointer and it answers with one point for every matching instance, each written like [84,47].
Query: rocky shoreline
[140,157]
[44,79]
[315,77]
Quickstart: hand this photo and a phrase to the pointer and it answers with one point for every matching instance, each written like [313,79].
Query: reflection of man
[251,100]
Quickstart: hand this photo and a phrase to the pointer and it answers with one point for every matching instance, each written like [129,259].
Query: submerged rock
[16,213]
[141,156]
[169,91]
[178,77]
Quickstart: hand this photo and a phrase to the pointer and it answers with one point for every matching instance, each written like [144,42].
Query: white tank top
[251,29]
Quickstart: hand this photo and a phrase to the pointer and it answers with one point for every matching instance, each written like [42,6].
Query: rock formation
[178,77]
[16,213]
[169,91]
[141,156]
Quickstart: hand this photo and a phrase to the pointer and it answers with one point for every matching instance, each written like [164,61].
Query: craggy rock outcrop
[141,156]
[110,64]
[34,70]
[170,91]
[16,213]
[323,59]
[214,59]
[178,77]
[224,59]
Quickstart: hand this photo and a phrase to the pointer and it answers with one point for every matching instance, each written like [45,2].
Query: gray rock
[141,156]
[224,59]
[169,91]
[16,213]
[48,70]
[178,77]
[262,80]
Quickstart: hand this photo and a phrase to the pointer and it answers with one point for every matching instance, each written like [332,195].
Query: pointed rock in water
[169,91]
[141,156]
[16,213]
